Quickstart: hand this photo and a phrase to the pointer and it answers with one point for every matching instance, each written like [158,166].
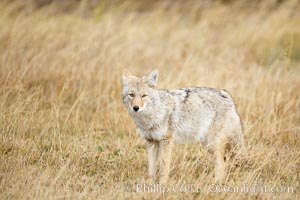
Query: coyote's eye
[131,95]
[144,96]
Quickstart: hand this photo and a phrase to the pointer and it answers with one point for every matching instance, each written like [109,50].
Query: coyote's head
[139,93]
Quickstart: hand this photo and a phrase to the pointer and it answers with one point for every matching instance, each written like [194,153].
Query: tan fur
[165,150]
[137,101]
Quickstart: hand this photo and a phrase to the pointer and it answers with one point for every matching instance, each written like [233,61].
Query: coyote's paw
[163,179]
[151,179]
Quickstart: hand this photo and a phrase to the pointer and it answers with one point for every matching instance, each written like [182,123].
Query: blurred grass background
[64,131]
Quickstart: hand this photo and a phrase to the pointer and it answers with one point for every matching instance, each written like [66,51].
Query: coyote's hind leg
[219,154]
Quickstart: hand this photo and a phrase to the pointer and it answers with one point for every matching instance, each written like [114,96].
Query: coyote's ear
[152,78]
[126,75]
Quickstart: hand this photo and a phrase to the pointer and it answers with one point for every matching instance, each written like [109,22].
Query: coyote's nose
[136,108]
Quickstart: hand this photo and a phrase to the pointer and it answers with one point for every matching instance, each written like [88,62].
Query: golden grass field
[66,134]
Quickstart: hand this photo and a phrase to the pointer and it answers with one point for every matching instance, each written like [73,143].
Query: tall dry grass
[65,133]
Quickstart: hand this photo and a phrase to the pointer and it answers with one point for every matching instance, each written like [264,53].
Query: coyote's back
[203,114]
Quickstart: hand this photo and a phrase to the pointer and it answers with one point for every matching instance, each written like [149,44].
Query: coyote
[183,115]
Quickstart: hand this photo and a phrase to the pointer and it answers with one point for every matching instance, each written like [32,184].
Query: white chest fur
[151,126]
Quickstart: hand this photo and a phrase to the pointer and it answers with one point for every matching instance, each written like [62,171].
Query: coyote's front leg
[152,150]
[165,149]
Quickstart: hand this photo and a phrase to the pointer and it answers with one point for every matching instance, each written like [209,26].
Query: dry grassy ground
[65,133]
